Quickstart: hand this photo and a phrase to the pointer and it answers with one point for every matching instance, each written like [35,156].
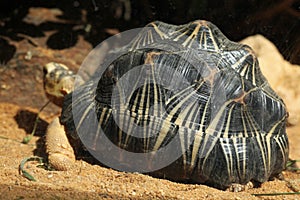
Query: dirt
[21,97]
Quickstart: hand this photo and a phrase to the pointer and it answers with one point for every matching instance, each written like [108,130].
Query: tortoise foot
[60,153]
[235,187]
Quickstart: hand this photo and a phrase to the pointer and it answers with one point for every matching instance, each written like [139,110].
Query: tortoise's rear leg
[236,187]
[60,153]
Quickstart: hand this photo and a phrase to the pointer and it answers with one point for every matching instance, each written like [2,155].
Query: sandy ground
[21,96]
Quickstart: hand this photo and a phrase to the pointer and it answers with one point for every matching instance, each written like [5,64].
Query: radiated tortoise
[177,102]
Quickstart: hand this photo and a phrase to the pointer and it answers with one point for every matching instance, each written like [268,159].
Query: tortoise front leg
[60,153]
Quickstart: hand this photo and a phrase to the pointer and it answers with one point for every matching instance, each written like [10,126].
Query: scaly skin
[58,81]
[60,153]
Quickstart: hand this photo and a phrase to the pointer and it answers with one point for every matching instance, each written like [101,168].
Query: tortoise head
[58,82]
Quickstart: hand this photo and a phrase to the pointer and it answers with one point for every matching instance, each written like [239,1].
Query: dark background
[278,20]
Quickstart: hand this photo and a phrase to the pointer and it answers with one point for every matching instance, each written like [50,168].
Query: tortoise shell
[182,103]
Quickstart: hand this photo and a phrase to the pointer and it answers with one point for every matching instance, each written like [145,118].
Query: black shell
[183,103]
